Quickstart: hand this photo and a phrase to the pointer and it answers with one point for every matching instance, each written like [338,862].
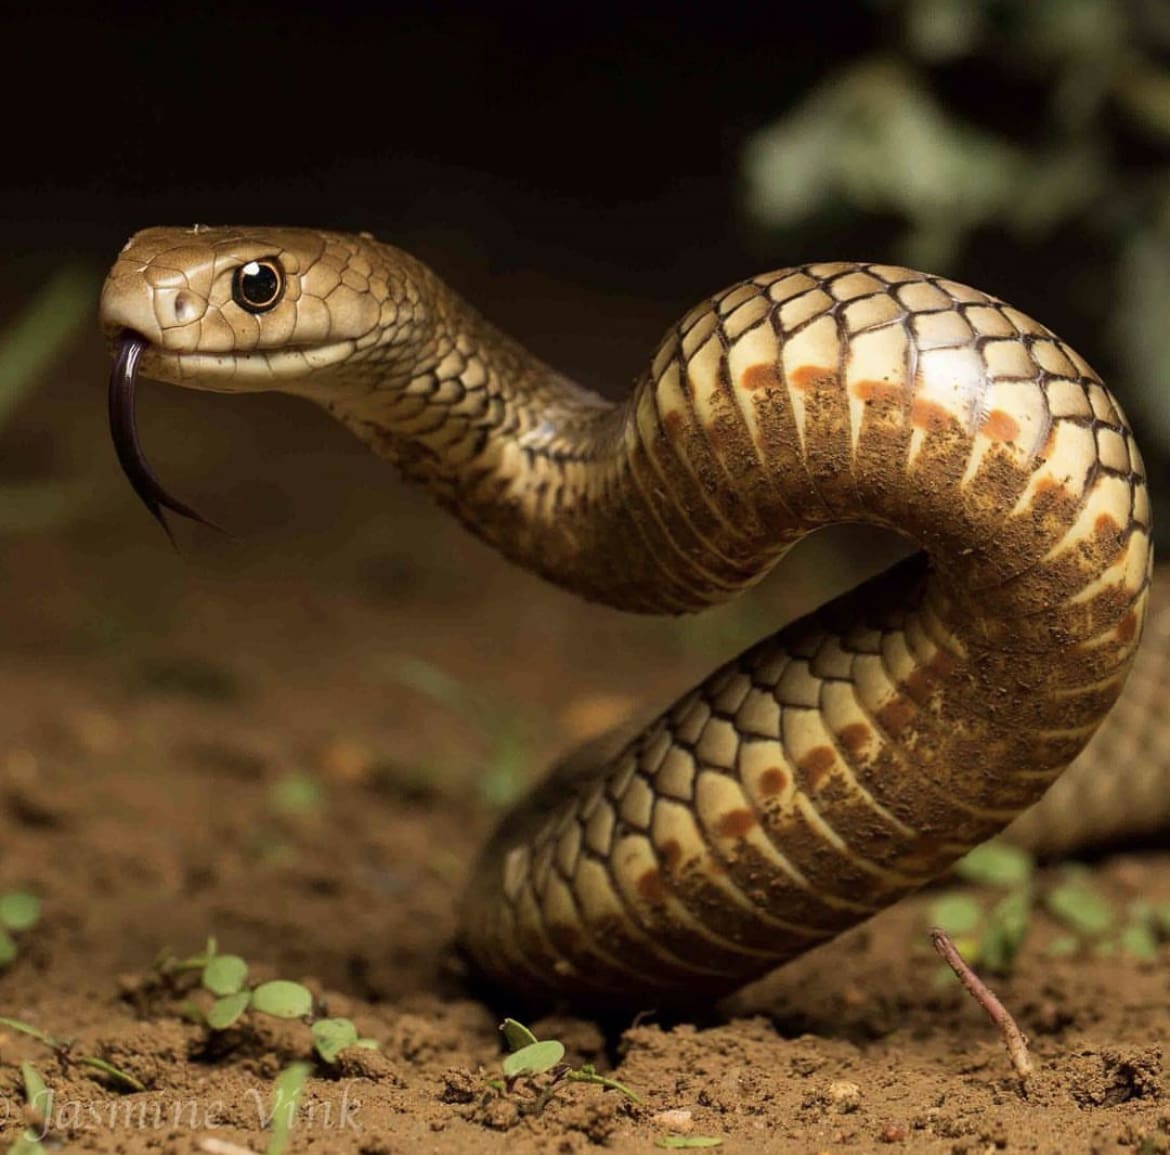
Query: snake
[841,763]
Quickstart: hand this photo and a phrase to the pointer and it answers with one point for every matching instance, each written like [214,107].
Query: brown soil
[160,715]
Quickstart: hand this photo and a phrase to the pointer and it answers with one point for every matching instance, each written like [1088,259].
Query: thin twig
[1014,1039]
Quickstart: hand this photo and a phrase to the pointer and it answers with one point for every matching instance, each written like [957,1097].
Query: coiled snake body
[835,766]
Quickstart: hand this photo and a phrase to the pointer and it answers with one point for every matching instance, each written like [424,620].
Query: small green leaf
[997,864]
[588,1074]
[517,1035]
[117,1074]
[7,948]
[534,1059]
[1081,908]
[225,1011]
[283,999]
[679,1141]
[332,1036]
[1138,940]
[19,910]
[286,1096]
[225,974]
[36,1092]
[27,1143]
[956,913]
[1005,931]
[1063,947]
[32,1032]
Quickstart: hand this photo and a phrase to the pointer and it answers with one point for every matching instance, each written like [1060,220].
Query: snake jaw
[124,432]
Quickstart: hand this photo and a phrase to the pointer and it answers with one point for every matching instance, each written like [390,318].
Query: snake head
[242,310]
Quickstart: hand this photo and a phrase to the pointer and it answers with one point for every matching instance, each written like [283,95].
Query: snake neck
[525,457]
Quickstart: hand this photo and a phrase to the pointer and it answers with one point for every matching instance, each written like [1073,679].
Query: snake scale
[842,762]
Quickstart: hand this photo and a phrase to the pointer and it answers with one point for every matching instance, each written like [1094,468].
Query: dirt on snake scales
[300,759]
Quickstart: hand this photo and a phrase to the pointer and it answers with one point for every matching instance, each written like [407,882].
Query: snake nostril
[185,308]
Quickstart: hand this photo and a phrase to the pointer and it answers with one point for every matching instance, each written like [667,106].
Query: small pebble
[674,1119]
[844,1095]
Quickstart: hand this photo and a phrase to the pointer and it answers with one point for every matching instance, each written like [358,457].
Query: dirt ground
[238,740]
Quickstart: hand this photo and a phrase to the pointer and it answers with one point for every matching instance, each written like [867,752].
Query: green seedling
[39,1099]
[63,1050]
[530,1057]
[1095,924]
[676,1142]
[225,977]
[19,911]
[990,937]
[286,1096]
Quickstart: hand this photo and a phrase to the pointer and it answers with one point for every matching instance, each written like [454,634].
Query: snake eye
[258,285]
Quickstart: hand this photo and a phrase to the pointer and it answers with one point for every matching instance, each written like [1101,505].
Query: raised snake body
[842,762]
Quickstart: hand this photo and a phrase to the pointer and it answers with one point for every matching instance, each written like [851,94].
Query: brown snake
[833,767]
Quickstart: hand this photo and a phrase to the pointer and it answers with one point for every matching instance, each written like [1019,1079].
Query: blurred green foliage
[28,346]
[1023,116]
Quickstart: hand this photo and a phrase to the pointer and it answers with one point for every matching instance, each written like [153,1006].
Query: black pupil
[257,285]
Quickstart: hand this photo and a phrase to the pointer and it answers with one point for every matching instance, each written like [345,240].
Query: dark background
[580,143]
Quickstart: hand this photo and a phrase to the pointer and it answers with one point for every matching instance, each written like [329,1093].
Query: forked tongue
[124,432]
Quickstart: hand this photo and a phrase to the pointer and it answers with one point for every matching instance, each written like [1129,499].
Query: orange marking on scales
[1106,525]
[930,415]
[1000,426]
[651,887]
[816,766]
[671,852]
[809,378]
[871,392]
[764,376]
[774,780]
[896,714]
[673,422]
[735,824]
[856,738]
[919,684]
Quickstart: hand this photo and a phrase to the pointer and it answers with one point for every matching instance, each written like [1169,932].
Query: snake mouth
[129,347]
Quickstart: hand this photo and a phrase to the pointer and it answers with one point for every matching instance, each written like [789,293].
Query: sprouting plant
[39,1101]
[989,937]
[225,978]
[19,911]
[63,1050]
[538,1066]
[1094,923]
[286,1097]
